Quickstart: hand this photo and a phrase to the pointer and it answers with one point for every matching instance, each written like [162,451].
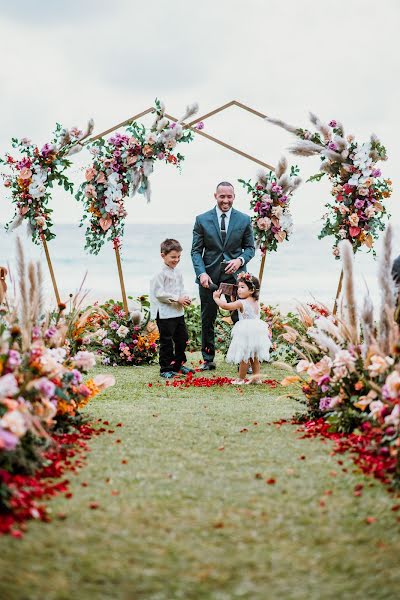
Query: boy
[167,300]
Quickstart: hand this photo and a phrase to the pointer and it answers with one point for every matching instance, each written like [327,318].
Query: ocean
[302,270]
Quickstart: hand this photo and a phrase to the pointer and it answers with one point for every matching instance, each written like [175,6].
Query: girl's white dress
[250,336]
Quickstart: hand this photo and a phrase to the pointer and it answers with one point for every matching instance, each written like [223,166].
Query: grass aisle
[190,515]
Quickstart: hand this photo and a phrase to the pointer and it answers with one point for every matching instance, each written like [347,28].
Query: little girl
[250,336]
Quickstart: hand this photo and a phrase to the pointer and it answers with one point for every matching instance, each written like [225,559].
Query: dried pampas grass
[349,297]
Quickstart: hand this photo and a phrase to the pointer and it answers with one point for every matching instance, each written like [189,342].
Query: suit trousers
[173,342]
[209,311]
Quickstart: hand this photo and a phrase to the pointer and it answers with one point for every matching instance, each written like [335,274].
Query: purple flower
[172,126]
[199,125]
[332,146]
[76,377]
[106,342]
[376,173]
[8,440]
[24,162]
[283,199]
[122,345]
[50,332]
[114,325]
[277,189]
[136,328]
[35,332]
[324,403]
[14,359]
[134,342]
[106,360]
[47,149]
[359,203]
[45,387]
[333,123]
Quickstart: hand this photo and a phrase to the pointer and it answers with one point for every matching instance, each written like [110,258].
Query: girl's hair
[252,283]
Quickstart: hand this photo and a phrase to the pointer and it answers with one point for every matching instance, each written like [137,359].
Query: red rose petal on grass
[258,476]
[93,505]
[124,462]
[395,508]
[114,493]
[106,423]
[322,503]
[118,441]
[69,495]
[270,481]
[84,484]
[119,424]
[61,516]
[302,457]
[149,385]
[16,533]
[221,448]
[243,430]
[218,525]
[370,520]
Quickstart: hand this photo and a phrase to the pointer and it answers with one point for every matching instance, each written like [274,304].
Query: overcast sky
[70,60]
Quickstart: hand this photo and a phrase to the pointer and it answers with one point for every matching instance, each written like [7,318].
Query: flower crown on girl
[248,278]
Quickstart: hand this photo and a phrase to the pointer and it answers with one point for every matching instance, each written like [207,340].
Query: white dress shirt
[165,290]
[227,216]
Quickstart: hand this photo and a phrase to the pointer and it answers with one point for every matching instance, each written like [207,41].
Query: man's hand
[205,280]
[184,301]
[233,265]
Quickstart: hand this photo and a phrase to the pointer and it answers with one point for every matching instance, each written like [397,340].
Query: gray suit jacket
[208,250]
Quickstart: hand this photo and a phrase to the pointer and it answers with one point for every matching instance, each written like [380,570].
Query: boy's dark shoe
[208,366]
[168,374]
[186,370]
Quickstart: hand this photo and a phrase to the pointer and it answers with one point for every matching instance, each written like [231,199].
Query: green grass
[193,521]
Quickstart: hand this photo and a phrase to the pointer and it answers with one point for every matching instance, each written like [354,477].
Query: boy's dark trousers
[173,341]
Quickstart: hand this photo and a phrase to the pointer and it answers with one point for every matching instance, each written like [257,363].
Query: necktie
[223,228]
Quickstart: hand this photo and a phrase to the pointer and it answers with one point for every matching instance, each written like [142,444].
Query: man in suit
[220,234]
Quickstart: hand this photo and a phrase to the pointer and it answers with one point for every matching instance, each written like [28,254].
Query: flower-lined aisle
[349,369]
[42,393]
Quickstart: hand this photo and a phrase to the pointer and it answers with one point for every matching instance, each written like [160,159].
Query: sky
[69,61]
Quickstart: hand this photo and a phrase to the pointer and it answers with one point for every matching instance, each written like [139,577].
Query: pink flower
[199,125]
[25,173]
[90,173]
[264,224]
[333,123]
[353,219]
[90,191]
[320,369]
[354,231]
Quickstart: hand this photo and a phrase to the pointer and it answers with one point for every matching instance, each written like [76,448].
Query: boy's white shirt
[165,289]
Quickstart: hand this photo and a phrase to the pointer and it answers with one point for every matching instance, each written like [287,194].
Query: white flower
[52,359]
[286,221]
[122,331]
[376,408]
[303,366]
[8,386]
[344,359]
[100,334]
[277,211]
[37,188]
[84,360]
[394,417]
[14,421]
[342,233]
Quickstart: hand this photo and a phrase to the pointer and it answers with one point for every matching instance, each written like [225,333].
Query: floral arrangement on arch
[121,167]
[357,211]
[119,338]
[350,367]
[31,177]
[270,196]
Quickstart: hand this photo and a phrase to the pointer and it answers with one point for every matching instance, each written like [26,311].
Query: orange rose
[147,150]
[90,173]
[25,173]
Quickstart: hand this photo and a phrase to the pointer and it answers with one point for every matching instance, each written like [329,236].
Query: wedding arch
[195,126]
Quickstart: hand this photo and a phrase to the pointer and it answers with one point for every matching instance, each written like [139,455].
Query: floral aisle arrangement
[42,391]
[31,176]
[119,338]
[270,197]
[358,211]
[121,167]
[351,373]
